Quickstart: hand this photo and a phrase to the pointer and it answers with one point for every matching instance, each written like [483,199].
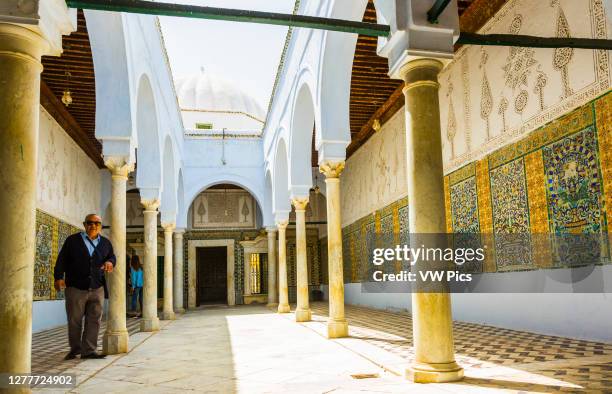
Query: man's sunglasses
[92,223]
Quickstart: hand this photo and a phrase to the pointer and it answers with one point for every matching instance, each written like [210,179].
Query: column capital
[271,230]
[150,204]
[420,71]
[169,227]
[332,169]
[179,232]
[282,224]
[119,166]
[299,203]
[416,37]
[51,19]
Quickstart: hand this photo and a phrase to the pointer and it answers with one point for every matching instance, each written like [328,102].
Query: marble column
[431,311]
[302,311]
[150,321]
[115,338]
[20,68]
[337,326]
[283,291]
[178,271]
[272,295]
[168,310]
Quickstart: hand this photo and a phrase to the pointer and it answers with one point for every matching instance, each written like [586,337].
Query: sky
[247,54]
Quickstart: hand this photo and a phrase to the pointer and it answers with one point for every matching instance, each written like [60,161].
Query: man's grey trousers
[87,304]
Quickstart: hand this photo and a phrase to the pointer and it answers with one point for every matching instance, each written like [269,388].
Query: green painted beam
[436,10]
[514,40]
[368,29]
[271,18]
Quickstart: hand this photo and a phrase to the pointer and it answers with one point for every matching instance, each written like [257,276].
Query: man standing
[79,269]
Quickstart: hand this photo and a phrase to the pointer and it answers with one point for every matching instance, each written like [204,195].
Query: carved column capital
[119,166]
[271,231]
[282,224]
[150,205]
[421,72]
[179,232]
[168,227]
[332,169]
[300,203]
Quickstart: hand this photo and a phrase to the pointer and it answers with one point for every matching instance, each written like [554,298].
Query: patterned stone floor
[49,348]
[480,349]
[252,349]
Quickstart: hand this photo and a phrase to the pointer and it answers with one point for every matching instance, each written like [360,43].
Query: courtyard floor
[253,350]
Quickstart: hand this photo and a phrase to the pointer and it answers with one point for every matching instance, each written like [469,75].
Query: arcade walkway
[249,349]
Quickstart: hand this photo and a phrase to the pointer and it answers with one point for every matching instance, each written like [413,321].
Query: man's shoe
[93,355]
[71,356]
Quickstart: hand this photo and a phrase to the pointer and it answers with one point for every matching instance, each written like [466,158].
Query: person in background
[79,269]
[137,281]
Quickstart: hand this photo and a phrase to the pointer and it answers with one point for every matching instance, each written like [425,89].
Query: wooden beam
[478,13]
[517,40]
[383,113]
[58,111]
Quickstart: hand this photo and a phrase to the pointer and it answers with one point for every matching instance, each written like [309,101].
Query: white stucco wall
[203,167]
[375,175]
[563,313]
[68,181]
[68,188]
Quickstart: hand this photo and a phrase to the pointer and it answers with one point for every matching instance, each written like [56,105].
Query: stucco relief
[376,174]
[68,180]
[223,209]
[521,89]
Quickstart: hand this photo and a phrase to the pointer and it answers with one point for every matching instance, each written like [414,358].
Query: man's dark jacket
[82,271]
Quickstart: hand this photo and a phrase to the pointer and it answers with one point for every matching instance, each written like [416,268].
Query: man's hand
[60,285]
[108,267]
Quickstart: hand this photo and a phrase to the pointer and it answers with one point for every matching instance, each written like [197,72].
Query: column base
[284,308]
[179,310]
[434,373]
[272,305]
[303,315]
[337,329]
[115,342]
[168,315]
[149,325]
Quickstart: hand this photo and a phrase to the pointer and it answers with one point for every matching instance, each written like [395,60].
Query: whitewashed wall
[68,181]
[375,175]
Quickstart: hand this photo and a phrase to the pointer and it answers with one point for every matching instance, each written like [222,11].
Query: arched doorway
[220,218]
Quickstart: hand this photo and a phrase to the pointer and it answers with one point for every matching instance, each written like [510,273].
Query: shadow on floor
[50,346]
[582,364]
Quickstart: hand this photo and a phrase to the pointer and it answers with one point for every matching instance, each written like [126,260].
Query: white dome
[208,92]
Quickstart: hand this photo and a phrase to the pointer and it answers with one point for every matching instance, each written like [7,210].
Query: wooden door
[211,275]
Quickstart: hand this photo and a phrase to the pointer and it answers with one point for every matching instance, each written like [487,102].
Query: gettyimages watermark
[482,263]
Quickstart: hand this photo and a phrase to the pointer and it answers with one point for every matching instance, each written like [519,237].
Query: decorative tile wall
[51,233]
[511,216]
[556,180]
[464,206]
[553,181]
